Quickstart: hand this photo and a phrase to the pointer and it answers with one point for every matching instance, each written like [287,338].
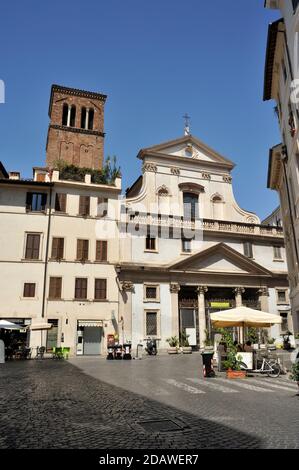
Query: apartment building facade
[281,85]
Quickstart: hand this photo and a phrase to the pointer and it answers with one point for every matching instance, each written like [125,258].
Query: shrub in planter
[173,345]
[186,348]
[233,362]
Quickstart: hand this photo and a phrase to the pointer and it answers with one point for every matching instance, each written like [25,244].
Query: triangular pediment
[188,147]
[220,258]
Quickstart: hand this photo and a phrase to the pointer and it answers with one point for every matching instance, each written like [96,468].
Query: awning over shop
[93,323]
[40,326]
[7,325]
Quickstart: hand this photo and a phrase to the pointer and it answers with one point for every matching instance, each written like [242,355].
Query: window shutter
[44,201]
[29,289]
[85,249]
[55,288]
[28,201]
[60,202]
[55,242]
[32,246]
[81,288]
[35,253]
[60,248]
[100,289]
[101,250]
[79,249]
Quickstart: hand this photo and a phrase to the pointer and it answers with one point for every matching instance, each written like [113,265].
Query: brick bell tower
[76,129]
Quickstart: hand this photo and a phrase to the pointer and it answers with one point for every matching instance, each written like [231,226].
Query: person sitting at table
[248,347]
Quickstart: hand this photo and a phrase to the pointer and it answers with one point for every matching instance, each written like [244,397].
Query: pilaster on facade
[174,288]
[202,326]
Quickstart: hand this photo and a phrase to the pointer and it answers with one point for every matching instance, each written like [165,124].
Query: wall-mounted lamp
[118,269]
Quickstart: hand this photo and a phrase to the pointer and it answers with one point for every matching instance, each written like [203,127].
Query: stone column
[174,292]
[69,116]
[86,118]
[126,311]
[201,290]
[238,291]
[263,298]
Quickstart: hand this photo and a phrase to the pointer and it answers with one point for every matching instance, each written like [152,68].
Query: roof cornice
[75,92]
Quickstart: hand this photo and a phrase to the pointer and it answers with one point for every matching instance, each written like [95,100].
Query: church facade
[190,249]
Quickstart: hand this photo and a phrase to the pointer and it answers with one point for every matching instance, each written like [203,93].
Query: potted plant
[186,348]
[233,361]
[173,345]
[295,373]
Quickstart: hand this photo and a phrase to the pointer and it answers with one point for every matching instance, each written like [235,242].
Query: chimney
[14,175]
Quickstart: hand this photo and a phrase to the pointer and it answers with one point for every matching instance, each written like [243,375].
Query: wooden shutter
[101,250]
[32,246]
[60,202]
[100,291]
[29,289]
[55,287]
[57,248]
[84,205]
[82,249]
[81,288]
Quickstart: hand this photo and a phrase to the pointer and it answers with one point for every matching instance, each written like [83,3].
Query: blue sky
[155,60]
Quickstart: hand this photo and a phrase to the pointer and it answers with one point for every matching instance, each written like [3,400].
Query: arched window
[83,117]
[65,110]
[73,116]
[90,119]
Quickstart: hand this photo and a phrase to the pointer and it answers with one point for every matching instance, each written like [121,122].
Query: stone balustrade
[203,224]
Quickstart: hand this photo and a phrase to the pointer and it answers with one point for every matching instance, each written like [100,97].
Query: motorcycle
[151,347]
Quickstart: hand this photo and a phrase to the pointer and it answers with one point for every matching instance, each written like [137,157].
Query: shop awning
[40,326]
[94,323]
[7,325]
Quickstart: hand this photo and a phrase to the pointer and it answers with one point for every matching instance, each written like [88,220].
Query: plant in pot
[186,348]
[233,360]
[295,373]
[173,345]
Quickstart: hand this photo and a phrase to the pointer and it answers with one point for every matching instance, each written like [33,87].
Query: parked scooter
[151,347]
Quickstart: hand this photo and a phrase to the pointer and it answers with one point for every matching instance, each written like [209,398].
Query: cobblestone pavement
[156,403]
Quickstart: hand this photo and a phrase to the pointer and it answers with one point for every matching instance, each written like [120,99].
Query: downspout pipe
[47,254]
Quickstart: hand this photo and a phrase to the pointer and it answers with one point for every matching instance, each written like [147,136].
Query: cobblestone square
[154,403]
